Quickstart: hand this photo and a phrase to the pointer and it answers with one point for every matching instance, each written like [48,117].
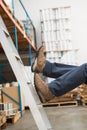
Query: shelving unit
[22,33]
[56,34]
[24,38]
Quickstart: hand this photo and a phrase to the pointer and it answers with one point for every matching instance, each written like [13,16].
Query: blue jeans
[67,77]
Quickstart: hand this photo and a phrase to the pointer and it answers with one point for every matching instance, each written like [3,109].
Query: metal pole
[29,47]
[25,11]
[0,74]
[20,102]
[15,29]
[28,18]
[30,56]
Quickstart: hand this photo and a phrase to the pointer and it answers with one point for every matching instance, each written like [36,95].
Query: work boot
[40,60]
[42,87]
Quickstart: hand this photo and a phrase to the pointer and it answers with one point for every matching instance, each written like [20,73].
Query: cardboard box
[12,92]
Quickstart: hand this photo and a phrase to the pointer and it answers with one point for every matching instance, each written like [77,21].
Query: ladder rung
[6,32]
[17,56]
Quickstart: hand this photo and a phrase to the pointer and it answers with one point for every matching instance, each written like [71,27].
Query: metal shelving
[24,38]
[23,35]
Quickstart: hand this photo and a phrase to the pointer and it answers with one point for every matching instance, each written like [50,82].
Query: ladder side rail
[17,67]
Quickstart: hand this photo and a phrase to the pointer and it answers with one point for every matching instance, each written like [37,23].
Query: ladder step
[6,32]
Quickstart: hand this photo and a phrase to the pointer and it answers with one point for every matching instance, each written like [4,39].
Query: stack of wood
[83,94]
[9,97]
[70,96]
[67,99]
[2,119]
[13,118]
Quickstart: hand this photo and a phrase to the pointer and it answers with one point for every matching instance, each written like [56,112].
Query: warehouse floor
[74,118]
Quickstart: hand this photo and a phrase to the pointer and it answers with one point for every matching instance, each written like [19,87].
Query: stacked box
[56,34]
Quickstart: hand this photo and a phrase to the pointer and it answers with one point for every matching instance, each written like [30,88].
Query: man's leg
[69,80]
[55,70]
[63,84]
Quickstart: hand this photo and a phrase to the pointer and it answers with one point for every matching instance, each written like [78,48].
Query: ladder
[18,68]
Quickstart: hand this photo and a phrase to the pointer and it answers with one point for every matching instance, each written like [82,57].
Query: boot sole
[37,90]
[33,68]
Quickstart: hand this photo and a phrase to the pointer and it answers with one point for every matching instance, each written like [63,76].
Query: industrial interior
[61,26]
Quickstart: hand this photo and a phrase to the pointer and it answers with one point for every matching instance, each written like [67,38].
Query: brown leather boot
[40,60]
[42,87]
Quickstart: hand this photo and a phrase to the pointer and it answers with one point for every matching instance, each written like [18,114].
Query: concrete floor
[74,118]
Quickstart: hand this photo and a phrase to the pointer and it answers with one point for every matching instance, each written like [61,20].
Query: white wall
[79,21]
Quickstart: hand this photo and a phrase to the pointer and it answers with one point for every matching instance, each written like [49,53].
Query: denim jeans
[67,77]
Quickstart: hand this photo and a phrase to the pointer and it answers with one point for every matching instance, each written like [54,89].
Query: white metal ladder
[18,68]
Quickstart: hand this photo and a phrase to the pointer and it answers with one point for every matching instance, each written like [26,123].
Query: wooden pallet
[3,123]
[84,102]
[61,104]
[3,126]
[11,119]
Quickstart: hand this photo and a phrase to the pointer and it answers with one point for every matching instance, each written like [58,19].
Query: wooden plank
[61,104]
[2,120]
[13,118]
[3,126]
[84,102]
